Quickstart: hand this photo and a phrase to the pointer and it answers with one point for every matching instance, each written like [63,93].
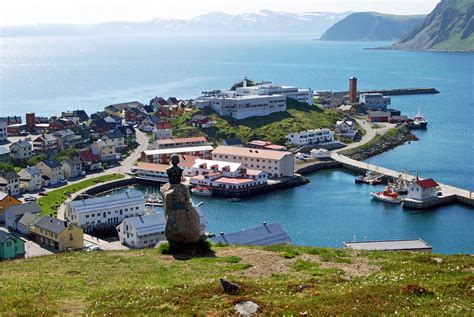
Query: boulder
[182,220]
[229,287]
[246,308]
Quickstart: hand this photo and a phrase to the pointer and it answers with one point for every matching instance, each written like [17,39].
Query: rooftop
[267,234]
[219,165]
[51,224]
[111,201]
[233,180]
[248,152]
[179,150]
[181,140]
[415,244]
[427,183]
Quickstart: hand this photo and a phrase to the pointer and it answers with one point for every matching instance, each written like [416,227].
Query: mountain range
[449,27]
[264,21]
[372,26]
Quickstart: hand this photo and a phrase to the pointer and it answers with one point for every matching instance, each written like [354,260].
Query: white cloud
[14,12]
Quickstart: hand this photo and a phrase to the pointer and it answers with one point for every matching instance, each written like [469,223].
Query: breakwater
[386,92]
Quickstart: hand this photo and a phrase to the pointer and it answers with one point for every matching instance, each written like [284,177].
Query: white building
[30,178]
[241,107]
[157,172]
[162,130]
[226,175]
[21,150]
[107,211]
[346,128]
[3,130]
[147,231]
[374,101]
[275,163]
[162,156]
[311,137]
[10,183]
[423,189]
[267,88]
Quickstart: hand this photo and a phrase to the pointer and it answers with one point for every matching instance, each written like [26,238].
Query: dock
[450,194]
[385,92]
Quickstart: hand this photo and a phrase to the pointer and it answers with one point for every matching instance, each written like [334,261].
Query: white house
[275,163]
[311,137]
[423,189]
[147,231]
[162,130]
[241,107]
[21,150]
[52,172]
[30,178]
[10,183]
[346,128]
[14,213]
[3,129]
[374,101]
[268,88]
[107,211]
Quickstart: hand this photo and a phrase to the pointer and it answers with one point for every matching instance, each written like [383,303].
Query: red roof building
[427,183]
[423,189]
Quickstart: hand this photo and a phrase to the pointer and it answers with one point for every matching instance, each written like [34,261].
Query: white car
[94,248]
[30,198]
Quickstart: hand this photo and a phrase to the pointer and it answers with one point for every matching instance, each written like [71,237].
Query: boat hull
[385,199]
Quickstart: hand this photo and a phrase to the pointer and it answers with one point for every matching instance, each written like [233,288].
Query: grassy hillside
[281,280]
[449,27]
[274,127]
[372,26]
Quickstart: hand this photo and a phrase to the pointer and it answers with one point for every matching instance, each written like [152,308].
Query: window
[9,244]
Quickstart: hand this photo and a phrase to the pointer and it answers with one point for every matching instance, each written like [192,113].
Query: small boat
[201,191]
[369,178]
[376,181]
[418,122]
[388,196]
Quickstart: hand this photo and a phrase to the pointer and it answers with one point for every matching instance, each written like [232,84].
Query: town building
[347,109]
[147,231]
[61,124]
[99,127]
[15,129]
[26,223]
[307,137]
[267,88]
[114,121]
[374,101]
[67,138]
[134,116]
[21,150]
[10,183]
[226,175]
[84,131]
[163,130]
[180,142]
[275,163]
[52,172]
[3,130]
[117,138]
[15,212]
[45,143]
[98,115]
[11,247]
[162,156]
[72,167]
[6,201]
[30,179]
[232,142]
[58,234]
[266,234]
[105,212]
[105,149]
[241,107]
[158,102]
[90,161]
[119,109]
[378,116]
[265,145]
[201,121]
[423,189]
[352,89]
[4,153]
[157,172]
[346,128]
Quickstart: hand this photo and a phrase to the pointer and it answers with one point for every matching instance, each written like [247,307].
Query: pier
[450,194]
[385,92]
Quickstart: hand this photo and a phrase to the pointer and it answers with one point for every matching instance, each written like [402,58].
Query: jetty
[385,92]
[450,194]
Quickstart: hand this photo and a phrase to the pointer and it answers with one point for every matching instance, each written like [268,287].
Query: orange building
[6,201]
[352,90]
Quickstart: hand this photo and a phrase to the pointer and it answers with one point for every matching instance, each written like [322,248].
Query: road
[370,133]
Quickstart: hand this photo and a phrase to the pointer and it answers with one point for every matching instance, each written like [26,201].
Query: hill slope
[265,21]
[280,279]
[449,27]
[371,26]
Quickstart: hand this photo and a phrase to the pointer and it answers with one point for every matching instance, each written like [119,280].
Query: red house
[61,124]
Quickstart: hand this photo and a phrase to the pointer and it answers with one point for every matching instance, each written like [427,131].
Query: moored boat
[418,122]
[201,191]
[387,195]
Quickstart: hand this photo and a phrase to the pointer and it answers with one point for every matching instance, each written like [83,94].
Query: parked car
[94,248]
[43,194]
[29,198]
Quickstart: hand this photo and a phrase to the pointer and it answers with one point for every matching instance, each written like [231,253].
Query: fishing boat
[153,200]
[418,122]
[387,195]
[201,191]
[369,178]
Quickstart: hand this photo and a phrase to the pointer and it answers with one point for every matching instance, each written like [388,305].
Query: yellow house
[58,234]
[6,201]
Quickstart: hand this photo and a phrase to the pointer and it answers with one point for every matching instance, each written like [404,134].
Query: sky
[17,12]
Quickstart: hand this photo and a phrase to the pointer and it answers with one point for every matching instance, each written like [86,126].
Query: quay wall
[431,203]
[318,166]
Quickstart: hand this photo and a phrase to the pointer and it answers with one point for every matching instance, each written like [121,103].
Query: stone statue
[183,227]
[174,171]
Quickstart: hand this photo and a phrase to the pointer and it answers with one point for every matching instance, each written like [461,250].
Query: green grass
[50,204]
[274,127]
[143,282]
[389,135]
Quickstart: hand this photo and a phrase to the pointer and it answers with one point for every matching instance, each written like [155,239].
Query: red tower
[30,121]
[352,89]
